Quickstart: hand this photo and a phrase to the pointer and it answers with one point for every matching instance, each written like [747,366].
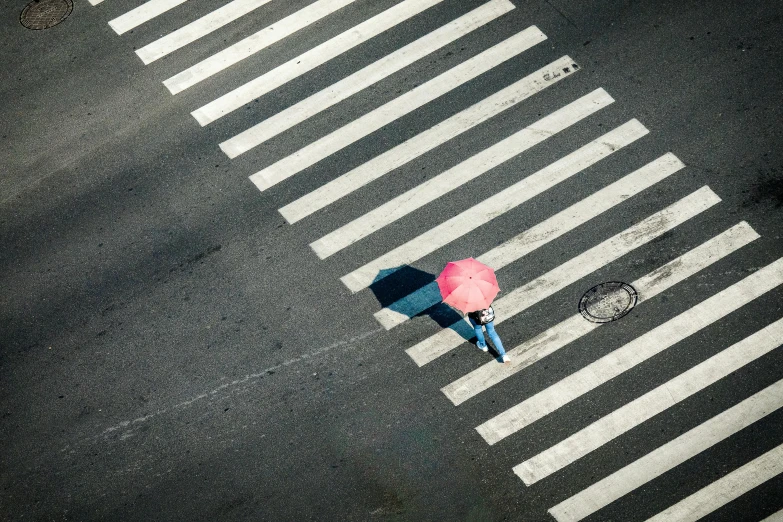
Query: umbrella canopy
[468,285]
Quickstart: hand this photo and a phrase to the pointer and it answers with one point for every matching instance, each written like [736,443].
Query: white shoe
[506,359]
[483,348]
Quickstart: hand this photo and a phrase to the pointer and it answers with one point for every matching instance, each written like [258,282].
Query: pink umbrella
[468,285]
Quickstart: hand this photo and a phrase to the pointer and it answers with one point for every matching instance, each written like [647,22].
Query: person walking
[470,286]
[485,318]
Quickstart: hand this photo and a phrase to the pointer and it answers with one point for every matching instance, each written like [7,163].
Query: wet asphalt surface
[171,349]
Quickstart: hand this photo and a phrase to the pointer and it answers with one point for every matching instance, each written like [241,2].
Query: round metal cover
[607,302]
[43,14]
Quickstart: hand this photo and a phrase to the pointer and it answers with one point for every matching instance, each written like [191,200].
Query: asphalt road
[173,349]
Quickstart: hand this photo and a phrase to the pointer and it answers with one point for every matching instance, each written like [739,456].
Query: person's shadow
[405,292]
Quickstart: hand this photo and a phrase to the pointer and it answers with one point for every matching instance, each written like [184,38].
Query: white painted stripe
[388,112]
[198,28]
[254,43]
[650,404]
[775,517]
[507,199]
[429,139]
[95,2]
[637,351]
[725,489]
[309,60]
[363,78]
[455,177]
[575,327]
[409,306]
[670,455]
[572,270]
[529,240]
[141,14]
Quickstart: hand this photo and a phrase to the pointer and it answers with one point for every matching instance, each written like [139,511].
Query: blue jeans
[492,335]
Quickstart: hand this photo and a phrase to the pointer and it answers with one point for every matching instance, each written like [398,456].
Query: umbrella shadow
[408,292]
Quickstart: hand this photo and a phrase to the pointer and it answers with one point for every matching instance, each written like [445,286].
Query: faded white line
[364,78]
[726,489]
[670,455]
[396,108]
[575,327]
[428,140]
[310,60]
[455,177]
[254,43]
[505,200]
[650,404]
[132,423]
[637,351]
[574,269]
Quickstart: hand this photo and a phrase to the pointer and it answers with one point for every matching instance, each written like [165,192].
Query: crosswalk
[672,277]
[669,455]
[575,327]
[633,353]
[426,141]
[645,407]
[366,77]
[511,197]
[455,177]
[399,107]
[572,270]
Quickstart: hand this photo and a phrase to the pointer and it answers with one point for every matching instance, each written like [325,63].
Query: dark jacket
[483,316]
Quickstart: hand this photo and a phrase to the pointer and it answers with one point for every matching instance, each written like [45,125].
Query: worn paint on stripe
[373,73]
[650,404]
[428,140]
[310,60]
[637,351]
[574,269]
[726,489]
[396,108]
[143,13]
[500,203]
[455,177]
[575,327]
[254,43]
[670,455]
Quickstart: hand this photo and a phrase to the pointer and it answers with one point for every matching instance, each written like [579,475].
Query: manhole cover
[43,14]
[607,302]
